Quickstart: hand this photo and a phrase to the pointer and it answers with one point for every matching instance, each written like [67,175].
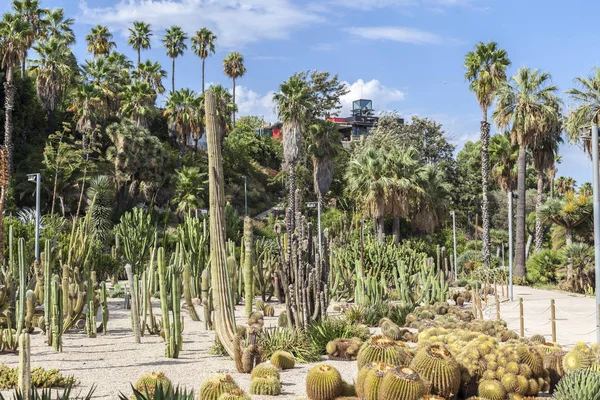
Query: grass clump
[323,332]
[293,341]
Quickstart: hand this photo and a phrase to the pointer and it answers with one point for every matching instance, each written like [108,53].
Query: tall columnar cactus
[224,318]
[55,330]
[207,299]
[104,304]
[92,327]
[22,288]
[30,302]
[175,338]
[47,266]
[248,276]
[25,366]
[134,304]
[187,290]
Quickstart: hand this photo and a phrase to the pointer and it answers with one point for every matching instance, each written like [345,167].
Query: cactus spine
[248,277]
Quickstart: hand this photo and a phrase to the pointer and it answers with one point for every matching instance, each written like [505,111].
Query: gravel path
[114,361]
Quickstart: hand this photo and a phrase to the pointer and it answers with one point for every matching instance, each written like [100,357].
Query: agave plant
[46,394]
[159,393]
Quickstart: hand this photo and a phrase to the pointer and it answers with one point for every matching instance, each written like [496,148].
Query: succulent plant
[383,349]
[436,365]
[576,360]
[256,318]
[323,382]
[269,311]
[234,394]
[401,383]
[214,386]
[282,320]
[283,360]
[580,385]
[265,369]
[538,339]
[265,386]
[373,379]
[347,389]
[343,349]
[147,383]
[491,390]
[553,363]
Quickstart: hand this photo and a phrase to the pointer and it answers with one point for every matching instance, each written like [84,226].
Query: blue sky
[406,55]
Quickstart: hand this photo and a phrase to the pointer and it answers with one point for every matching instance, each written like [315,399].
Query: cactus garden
[162,241]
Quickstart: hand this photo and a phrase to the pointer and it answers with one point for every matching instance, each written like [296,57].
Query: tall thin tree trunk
[54,192]
[9,103]
[223,307]
[569,241]
[381,230]
[539,226]
[234,102]
[203,75]
[396,230]
[520,239]
[552,176]
[485,172]
[173,75]
[292,200]
[139,59]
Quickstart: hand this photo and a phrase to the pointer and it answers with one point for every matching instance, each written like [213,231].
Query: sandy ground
[112,362]
[575,314]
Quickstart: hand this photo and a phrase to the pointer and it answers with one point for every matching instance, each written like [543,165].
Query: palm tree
[587,107]
[190,190]
[184,111]
[224,106]
[325,144]
[586,189]
[434,200]
[137,101]
[565,185]
[30,12]
[504,156]
[57,27]
[544,151]
[203,44]
[233,65]
[294,104]
[52,73]
[99,41]
[568,212]
[523,105]
[153,74]
[15,37]
[369,181]
[139,38]
[174,42]
[552,171]
[485,70]
[102,74]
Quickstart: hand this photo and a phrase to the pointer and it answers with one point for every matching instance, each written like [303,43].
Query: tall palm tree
[151,73]
[325,145]
[139,38]
[137,101]
[434,200]
[99,41]
[586,110]
[15,37]
[103,75]
[57,27]
[203,44]
[224,106]
[184,111]
[552,171]
[31,13]
[485,70]
[544,151]
[405,186]
[504,156]
[369,181]
[52,73]
[85,103]
[523,103]
[586,189]
[174,43]
[233,65]
[294,105]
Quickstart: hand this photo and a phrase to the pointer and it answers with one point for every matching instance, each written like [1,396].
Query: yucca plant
[160,393]
[46,394]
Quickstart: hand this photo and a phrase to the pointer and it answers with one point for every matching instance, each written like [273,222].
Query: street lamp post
[245,196]
[37,178]
[317,204]
[510,245]
[454,237]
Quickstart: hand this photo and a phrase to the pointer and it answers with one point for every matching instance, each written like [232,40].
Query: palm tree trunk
[520,239]
[380,230]
[485,172]
[139,59]
[539,227]
[223,307]
[234,102]
[173,75]
[552,176]
[203,75]
[9,103]
[569,241]
[396,230]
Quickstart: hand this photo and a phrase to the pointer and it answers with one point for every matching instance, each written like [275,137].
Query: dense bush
[542,266]
[371,315]
[323,332]
[290,340]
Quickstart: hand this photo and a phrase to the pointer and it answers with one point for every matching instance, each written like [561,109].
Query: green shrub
[46,394]
[40,377]
[291,340]
[323,332]
[371,314]
[159,394]
[542,266]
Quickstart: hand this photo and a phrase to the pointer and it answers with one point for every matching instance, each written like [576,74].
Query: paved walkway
[575,314]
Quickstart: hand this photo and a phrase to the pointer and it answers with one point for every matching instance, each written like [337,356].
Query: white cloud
[373,4]
[396,33]
[381,95]
[251,103]
[325,46]
[235,23]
